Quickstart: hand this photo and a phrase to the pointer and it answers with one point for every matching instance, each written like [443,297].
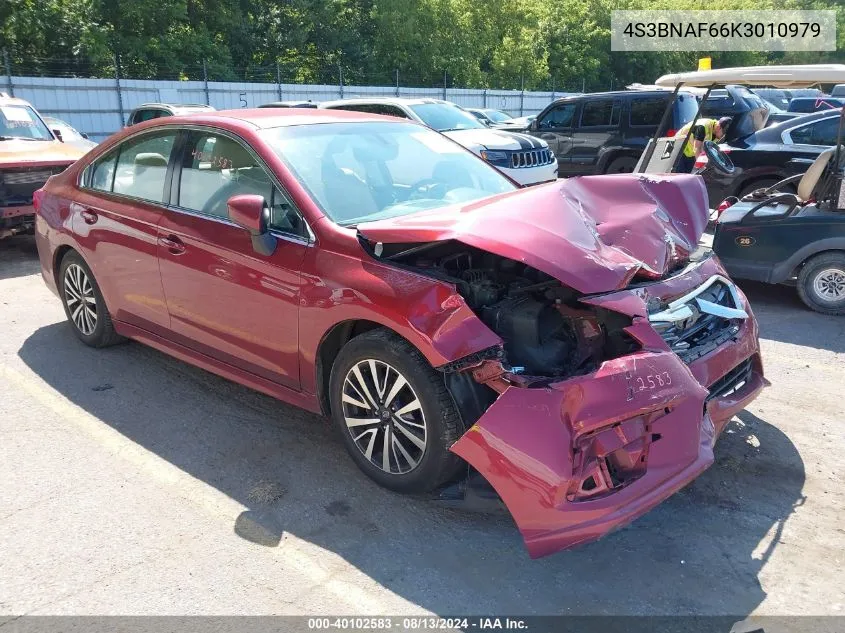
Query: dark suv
[605,132]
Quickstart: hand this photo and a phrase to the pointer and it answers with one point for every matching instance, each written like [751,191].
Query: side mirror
[534,125]
[250,211]
[84,135]
[58,134]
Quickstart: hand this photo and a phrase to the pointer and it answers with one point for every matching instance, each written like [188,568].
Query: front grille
[697,324]
[18,184]
[731,382]
[531,158]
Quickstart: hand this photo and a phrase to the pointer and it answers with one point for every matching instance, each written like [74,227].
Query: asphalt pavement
[132,483]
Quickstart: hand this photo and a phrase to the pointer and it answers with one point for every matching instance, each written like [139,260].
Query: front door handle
[172,244]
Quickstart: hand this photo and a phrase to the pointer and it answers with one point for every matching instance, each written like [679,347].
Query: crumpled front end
[576,458]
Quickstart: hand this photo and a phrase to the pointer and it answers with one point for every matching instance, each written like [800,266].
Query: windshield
[357,172]
[68,133]
[445,118]
[497,115]
[21,122]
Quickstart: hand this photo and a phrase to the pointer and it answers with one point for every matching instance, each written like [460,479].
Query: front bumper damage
[576,459]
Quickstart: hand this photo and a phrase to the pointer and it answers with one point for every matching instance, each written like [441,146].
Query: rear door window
[140,169]
[647,111]
[819,133]
[602,113]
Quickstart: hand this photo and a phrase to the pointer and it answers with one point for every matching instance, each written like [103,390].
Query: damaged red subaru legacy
[563,342]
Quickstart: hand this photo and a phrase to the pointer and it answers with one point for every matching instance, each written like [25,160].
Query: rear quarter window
[686,107]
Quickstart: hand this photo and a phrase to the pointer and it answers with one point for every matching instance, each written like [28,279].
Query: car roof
[806,118]
[265,118]
[289,104]
[799,75]
[399,101]
[638,92]
[5,99]
[175,106]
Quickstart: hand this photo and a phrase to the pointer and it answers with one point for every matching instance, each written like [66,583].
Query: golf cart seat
[773,202]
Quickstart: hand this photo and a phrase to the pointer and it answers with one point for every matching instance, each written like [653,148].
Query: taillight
[36,199]
[671,133]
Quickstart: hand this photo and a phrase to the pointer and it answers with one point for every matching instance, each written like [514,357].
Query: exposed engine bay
[546,332]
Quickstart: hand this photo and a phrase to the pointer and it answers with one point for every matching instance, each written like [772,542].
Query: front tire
[394,414]
[821,283]
[83,302]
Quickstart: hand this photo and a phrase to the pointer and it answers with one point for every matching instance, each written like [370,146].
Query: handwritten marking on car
[652,381]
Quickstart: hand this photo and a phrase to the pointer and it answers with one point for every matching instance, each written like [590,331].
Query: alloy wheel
[384,416]
[80,299]
[829,284]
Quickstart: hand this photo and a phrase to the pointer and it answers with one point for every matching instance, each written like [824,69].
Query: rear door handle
[89,216]
[172,244]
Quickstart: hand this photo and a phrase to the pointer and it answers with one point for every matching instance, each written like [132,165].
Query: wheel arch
[59,255]
[329,347]
[611,154]
[792,266]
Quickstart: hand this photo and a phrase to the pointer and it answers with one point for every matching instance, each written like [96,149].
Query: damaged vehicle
[30,152]
[577,361]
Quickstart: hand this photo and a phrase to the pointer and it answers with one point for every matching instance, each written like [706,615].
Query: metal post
[444,85]
[8,66]
[484,97]
[553,88]
[205,82]
[583,84]
[278,81]
[522,98]
[117,87]
[397,82]
[340,78]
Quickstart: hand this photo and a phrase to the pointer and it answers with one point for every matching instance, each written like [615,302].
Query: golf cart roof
[797,76]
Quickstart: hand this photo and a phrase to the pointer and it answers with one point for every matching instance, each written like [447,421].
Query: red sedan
[561,341]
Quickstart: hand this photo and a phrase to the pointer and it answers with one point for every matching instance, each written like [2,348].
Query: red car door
[115,218]
[225,299]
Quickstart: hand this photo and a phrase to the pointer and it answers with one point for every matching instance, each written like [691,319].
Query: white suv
[525,159]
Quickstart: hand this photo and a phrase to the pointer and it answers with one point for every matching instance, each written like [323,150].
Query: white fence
[98,108]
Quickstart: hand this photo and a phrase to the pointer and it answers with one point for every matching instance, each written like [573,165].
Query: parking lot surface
[133,483]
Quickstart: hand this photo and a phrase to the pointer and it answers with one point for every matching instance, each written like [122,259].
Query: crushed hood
[594,233]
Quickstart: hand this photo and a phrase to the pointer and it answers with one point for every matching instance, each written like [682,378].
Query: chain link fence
[97,99]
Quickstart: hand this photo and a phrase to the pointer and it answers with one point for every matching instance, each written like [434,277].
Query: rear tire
[821,283]
[621,165]
[418,441]
[83,302]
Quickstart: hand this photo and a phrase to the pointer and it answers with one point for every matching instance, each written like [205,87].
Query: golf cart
[791,232]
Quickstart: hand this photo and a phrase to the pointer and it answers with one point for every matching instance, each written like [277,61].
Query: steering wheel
[428,188]
[719,159]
